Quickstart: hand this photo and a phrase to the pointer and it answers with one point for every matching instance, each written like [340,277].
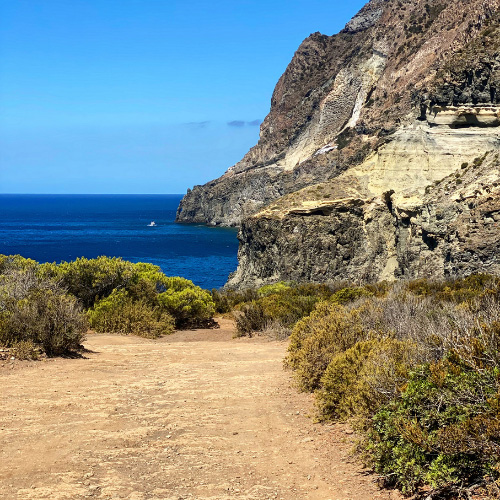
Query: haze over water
[51,228]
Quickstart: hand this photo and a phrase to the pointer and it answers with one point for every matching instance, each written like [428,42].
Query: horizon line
[93,194]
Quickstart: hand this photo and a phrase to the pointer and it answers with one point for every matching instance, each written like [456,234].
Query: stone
[377,158]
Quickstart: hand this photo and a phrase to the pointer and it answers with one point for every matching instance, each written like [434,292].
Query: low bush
[273,289]
[287,309]
[144,286]
[251,319]
[16,263]
[90,279]
[228,300]
[363,377]
[119,296]
[469,289]
[316,339]
[444,429]
[221,302]
[416,368]
[37,311]
[25,350]
[189,306]
[350,294]
[280,305]
[119,313]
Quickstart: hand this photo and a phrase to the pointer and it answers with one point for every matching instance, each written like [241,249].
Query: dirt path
[197,415]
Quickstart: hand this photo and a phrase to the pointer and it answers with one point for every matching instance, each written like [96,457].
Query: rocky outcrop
[344,96]
[451,230]
[379,157]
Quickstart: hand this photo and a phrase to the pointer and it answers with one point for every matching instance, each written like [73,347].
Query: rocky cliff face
[364,127]
[451,230]
[343,96]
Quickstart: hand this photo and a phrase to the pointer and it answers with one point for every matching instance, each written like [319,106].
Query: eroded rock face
[452,230]
[365,129]
[343,96]
[455,230]
[345,241]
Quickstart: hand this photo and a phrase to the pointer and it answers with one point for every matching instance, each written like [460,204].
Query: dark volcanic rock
[454,230]
[349,243]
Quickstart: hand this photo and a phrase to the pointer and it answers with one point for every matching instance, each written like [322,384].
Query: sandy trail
[196,415]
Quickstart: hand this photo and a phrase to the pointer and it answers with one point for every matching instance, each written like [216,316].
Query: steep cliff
[379,157]
[345,96]
[452,229]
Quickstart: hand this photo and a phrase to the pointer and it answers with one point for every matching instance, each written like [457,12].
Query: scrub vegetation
[413,366]
[48,308]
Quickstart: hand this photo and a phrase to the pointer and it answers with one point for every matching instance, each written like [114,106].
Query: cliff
[451,230]
[343,96]
[364,126]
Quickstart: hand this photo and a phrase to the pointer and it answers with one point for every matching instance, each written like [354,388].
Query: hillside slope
[365,128]
[344,96]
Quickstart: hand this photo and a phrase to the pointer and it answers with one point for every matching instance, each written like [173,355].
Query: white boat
[152,224]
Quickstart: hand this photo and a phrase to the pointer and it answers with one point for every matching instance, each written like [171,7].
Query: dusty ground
[197,415]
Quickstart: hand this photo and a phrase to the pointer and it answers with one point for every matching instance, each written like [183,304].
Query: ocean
[52,228]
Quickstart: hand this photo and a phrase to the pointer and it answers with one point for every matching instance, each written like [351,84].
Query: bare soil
[196,415]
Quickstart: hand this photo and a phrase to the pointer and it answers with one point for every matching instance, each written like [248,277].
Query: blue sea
[52,228]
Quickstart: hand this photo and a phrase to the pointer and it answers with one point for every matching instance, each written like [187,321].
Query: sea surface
[53,228]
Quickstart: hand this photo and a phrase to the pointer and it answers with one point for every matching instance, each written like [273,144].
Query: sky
[141,96]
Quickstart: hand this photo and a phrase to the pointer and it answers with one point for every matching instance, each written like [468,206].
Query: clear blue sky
[141,96]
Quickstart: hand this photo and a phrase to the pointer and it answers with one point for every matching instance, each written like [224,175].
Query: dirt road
[197,415]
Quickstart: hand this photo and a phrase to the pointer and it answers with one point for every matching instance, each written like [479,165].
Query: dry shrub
[275,330]
[25,350]
[316,339]
[119,313]
[359,380]
[280,305]
[418,369]
[251,318]
[36,310]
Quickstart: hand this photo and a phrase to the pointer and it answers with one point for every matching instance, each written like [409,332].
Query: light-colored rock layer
[452,230]
[416,157]
[464,116]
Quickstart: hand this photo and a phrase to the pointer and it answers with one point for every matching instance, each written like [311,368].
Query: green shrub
[38,311]
[191,306]
[90,279]
[274,289]
[16,263]
[444,429]
[350,294]
[316,339]
[360,379]
[279,307]
[227,300]
[119,313]
[469,289]
[221,302]
[287,309]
